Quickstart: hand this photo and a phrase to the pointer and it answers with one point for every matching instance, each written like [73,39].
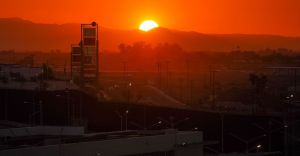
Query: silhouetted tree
[47,73]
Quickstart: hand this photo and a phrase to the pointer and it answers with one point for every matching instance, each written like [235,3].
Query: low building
[15,71]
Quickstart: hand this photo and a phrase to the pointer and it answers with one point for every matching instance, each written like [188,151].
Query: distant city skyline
[206,16]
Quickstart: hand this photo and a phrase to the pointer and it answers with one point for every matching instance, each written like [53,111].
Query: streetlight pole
[121,120]
[126,119]
[128,92]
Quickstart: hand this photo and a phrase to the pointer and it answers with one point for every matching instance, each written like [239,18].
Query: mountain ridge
[25,35]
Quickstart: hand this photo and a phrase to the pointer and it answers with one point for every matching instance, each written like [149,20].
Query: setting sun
[148,25]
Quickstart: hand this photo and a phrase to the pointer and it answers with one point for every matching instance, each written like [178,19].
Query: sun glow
[148,25]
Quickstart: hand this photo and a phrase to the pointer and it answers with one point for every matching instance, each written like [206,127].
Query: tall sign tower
[89,45]
[86,53]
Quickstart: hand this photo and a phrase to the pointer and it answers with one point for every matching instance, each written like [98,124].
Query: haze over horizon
[211,17]
[137,29]
[23,35]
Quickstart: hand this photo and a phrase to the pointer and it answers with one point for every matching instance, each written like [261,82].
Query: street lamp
[258,147]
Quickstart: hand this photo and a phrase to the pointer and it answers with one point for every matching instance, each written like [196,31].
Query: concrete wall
[115,147]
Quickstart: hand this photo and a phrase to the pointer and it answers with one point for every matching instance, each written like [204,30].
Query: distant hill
[22,35]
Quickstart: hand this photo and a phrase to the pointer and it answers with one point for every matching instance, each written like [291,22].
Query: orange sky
[207,16]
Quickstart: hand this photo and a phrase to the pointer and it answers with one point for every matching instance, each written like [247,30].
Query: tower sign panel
[84,57]
[89,45]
